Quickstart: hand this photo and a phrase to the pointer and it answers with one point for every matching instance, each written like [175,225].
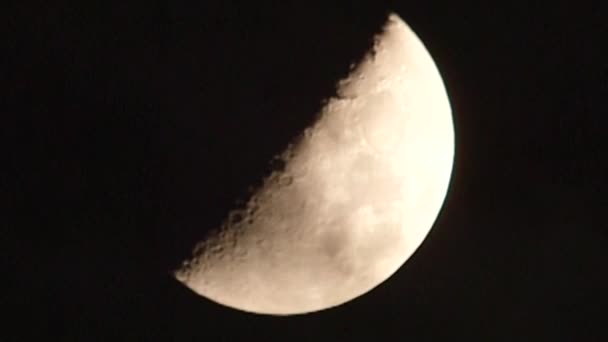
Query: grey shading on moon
[359,192]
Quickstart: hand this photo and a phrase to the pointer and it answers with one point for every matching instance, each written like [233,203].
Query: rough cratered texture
[359,192]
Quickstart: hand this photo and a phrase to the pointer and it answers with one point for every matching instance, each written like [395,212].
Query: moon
[359,192]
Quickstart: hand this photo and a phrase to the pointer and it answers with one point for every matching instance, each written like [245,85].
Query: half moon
[360,190]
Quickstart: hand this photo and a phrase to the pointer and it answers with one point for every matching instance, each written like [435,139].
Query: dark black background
[134,127]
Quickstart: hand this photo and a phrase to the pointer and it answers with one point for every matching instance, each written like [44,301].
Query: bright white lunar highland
[360,190]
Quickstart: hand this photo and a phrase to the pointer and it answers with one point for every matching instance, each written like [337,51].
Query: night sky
[132,129]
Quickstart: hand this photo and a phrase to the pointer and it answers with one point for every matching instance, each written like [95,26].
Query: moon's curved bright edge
[360,191]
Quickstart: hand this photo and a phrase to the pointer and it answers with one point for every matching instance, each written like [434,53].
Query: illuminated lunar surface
[360,190]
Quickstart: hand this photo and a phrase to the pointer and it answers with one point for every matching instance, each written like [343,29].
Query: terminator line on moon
[360,190]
